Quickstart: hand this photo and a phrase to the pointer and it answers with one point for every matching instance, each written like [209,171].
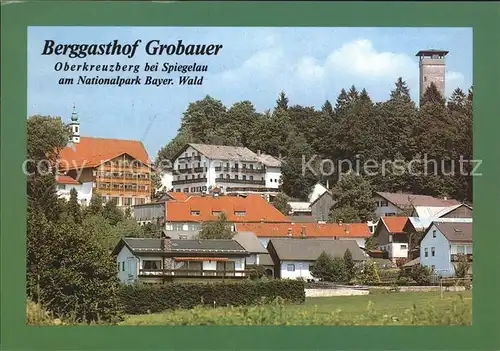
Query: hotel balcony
[189,181]
[240,181]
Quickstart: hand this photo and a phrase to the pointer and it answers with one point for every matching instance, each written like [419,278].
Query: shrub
[257,272]
[368,273]
[329,269]
[141,298]
[462,267]
[421,274]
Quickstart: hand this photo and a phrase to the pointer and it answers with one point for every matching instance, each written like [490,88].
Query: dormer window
[195,213]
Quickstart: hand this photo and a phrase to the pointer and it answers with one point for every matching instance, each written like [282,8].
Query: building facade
[200,168]
[113,168]
[442,244]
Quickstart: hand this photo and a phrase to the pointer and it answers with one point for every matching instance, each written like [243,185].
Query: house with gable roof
[392,238]
[442,245]
[166,259]
[394,204]
[188,215]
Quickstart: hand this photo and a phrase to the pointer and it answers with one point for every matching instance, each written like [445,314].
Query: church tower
[75,127]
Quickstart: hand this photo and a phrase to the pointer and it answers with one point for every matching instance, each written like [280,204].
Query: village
[225,216]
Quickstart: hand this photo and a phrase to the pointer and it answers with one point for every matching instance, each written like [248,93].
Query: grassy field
[397,308]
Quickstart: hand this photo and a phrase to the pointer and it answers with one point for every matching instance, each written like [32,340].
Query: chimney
[289,231]
[445,198]
[258,152]
[303,231]
[340,222]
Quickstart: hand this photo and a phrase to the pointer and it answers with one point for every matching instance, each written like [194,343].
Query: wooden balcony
[189,273]
[457,257]
[122,191]
[122,179]
[249,189]
[189,181]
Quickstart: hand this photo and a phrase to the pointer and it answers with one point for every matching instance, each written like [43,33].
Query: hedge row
[141,298]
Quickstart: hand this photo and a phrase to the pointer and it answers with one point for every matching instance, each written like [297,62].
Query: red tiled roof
[91,152]
[312,229]
[64,179]
[178,196]
[256,209]
[394,224]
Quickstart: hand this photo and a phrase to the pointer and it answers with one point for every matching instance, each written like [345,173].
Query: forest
[354,128]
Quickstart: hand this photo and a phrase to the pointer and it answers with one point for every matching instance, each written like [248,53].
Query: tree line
[69,266]
[354,128]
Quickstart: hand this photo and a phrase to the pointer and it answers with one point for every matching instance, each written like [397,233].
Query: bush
[421,274]
[141,298]
[257,272]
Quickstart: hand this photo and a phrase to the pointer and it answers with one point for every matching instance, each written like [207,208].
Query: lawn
[397,308]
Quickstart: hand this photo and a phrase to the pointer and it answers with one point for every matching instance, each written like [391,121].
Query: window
[195,213]
[76,129]
[460,249]
[384,203]
[61,186]
[140,201]
[244,177]
[251,166]
[104,199]
[251,177]
[216,213]
[192,176]
[186,177]
[390,214]
[235,176]
[228,176]
[433,267]
[178,177]
[290,267]
[228,266]
[240,213]
[433,251]
[468,250]
[156,264]
[433,233]
[128,201]
[199,176]
[403,247]
[221,176]
[118,266]
[425,79]
[123,266]
[426,252]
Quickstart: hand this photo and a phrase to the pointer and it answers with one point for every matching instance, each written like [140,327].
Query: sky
[310,65]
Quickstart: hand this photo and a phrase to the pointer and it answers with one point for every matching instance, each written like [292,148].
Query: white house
[160,260]
[293,258]
[442,242]
[83,189]
[251,243]
[200,168]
